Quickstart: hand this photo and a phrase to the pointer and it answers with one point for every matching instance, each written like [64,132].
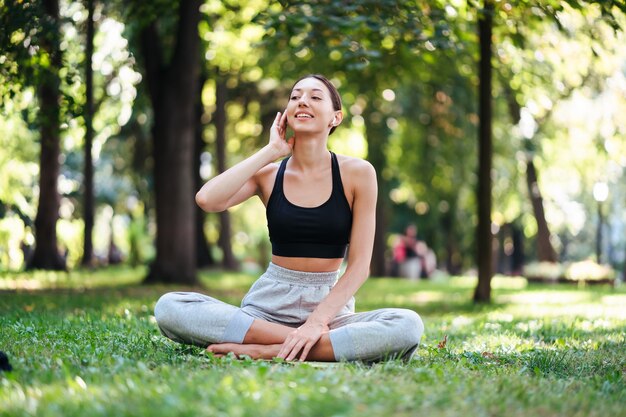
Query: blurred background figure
[412,258]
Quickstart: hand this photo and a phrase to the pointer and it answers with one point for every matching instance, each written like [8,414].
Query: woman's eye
[294,97]
[317,98]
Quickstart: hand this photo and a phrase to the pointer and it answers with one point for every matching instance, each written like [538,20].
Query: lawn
[86,344]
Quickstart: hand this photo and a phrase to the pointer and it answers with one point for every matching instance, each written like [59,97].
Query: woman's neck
[310,153]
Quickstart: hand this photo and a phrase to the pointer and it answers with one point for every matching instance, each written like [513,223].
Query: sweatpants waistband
[278,273]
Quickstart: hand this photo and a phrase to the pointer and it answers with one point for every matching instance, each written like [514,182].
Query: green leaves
[365,33]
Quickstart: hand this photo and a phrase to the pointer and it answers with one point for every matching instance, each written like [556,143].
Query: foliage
[356,36]
[548,351]
[407,65]
[23,63]
[536,82]
[24,31]
[18,166]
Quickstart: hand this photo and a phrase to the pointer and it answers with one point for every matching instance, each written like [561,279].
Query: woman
[299,309]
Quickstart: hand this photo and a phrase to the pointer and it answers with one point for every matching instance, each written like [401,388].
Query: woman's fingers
[292,347]
[278,122]
[295,350]
[279,127]
[286,348]
[305,351]
[300,342]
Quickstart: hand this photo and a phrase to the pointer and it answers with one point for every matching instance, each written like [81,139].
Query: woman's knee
[164,309]
[410,327]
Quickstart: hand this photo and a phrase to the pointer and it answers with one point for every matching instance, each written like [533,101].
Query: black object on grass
[4,362]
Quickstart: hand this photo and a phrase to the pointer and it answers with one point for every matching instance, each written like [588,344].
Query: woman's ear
[338,118]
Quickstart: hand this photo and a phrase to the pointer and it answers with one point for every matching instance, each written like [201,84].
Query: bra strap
[278,182]
[337,183]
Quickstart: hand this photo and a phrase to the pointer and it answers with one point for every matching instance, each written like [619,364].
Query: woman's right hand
[278,131]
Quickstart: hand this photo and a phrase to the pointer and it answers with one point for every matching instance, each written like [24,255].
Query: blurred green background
[113,114]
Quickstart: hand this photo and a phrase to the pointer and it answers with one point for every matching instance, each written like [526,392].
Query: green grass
[85,344]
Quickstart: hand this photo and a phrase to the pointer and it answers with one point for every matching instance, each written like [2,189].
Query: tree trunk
[599,236]
[173,92]
[624,270]
[114,256]
[204,257]
[517,259]
[228,261]
[376,133]
[482,294]
[453,257]
[545,250]
[46,254]
[88,115]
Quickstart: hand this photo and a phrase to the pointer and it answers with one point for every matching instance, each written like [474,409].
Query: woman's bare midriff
[308,264]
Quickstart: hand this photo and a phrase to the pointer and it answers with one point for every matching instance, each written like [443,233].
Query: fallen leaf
[442,344]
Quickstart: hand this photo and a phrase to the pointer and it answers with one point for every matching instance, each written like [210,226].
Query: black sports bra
[309,232]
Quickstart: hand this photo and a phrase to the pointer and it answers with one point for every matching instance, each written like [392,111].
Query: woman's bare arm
[239,182]
[361,246]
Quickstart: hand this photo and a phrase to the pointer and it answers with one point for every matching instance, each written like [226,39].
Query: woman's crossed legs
[197,319]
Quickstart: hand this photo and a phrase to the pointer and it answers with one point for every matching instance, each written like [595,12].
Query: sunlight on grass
[418,298]
[547,297]
[619,300]
[497,282]
[422,297]
[81,278]
[587,310]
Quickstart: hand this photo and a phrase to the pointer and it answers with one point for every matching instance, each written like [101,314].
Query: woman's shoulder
[269,169]
[355,166]
[265,178]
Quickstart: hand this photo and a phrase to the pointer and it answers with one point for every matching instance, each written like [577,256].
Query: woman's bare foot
[252,350]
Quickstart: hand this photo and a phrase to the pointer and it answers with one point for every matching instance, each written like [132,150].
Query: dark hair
[334,93]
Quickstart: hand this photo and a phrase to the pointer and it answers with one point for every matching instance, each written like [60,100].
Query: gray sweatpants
[288,297]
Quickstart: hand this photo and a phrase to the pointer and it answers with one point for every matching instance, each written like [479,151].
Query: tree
[232,101]
[482,292]
[27,65]
[535,69]
[33,57]
[173,88]
[220,120]
[432,154]
[88,196]
[203,250]
[528,15]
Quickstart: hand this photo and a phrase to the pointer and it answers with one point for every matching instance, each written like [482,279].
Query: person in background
[412,249]
[412,256]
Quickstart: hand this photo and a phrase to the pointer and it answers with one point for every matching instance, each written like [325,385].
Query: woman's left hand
[302,340]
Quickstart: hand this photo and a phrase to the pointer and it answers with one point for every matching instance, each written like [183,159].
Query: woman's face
[310,108]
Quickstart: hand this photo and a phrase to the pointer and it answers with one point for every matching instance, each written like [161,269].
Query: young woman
[316,204]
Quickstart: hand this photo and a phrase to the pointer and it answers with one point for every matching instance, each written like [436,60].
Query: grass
[85,344]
